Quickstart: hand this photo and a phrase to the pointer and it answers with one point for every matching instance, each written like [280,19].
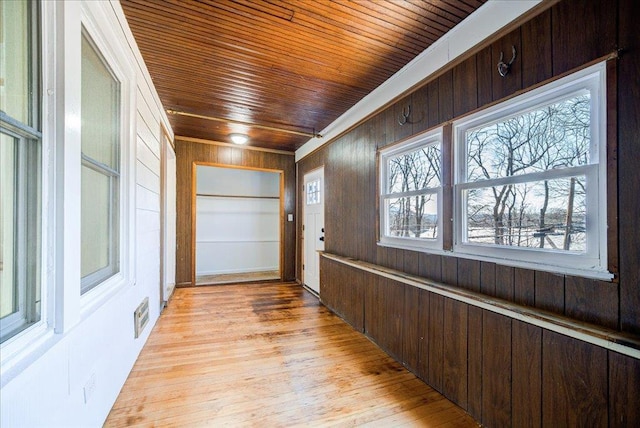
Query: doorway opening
[238,224]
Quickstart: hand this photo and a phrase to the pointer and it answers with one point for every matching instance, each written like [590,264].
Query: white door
[313,226]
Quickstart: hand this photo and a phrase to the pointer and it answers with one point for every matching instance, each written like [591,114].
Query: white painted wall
[236,234]
[86,344]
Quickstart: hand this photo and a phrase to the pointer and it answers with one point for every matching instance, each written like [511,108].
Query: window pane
[15,64]
[313,192]
[100,109]
[416,170]
[96,222]
[412,217]
[555,136]
[8,294]
[547,214]
[20,169]
[100,135]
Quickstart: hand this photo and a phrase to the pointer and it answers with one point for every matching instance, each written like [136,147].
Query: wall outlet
[89,387]
[290,217]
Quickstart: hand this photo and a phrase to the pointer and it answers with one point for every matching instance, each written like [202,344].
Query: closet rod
[209,195]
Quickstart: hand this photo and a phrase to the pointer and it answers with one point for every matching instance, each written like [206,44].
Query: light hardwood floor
[269,355]
[233,278]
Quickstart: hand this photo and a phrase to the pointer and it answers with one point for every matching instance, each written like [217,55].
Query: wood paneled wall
[504,372]
[188,153]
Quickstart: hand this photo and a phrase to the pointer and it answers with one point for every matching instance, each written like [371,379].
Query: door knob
[322,238]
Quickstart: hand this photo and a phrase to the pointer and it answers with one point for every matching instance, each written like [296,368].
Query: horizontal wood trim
[608,339]
[235,146]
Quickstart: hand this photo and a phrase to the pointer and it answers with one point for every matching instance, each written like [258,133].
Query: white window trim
[62,305]
[433,136]
[593,263]
[23,348]
[95,24]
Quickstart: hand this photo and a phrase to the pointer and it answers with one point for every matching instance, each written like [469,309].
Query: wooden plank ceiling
[278,70]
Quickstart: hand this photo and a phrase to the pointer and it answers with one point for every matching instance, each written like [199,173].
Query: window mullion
[527,178]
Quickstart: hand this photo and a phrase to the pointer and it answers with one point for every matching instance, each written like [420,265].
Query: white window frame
[62,306]
[432,137]
[20,349]
[591,263]
[95,26]
[96,278]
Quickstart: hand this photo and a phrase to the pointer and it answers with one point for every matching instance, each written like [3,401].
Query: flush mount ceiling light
[239,138]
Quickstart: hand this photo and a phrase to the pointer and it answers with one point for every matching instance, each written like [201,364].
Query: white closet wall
[237,221]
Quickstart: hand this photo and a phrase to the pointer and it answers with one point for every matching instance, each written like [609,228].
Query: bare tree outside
[419,173]
[544,213]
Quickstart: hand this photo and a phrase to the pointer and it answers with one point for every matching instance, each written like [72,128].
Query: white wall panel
[148,178]
[46,389]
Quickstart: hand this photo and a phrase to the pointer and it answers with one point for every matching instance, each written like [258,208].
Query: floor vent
[141,317]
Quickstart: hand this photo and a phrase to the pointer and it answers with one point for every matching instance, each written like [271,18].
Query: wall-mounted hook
[404,117]
[504,68]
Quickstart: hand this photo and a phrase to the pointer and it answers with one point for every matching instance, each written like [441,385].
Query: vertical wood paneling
[485,70]
[505,276]
[411,263]
[425,327]
[628,161]
[490,365]
[526,387]
[431,266]
[474,363]
[186,154]
[341,289]
[433,109]
[624,385]
[384,315]
[596,37]
[450,270]
[488,278]
[445,96]
[524,286]
[496,370]
[420,109]
[574,382]
[592,301]
[454,370]
[536,50]
[549,292]
[402,131]
[613,261]
[469,274]
[393,299]
[436,341]
[505,86]
[465,87]
[411,331]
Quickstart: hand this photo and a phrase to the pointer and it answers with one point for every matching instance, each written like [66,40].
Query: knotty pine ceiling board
[283,65]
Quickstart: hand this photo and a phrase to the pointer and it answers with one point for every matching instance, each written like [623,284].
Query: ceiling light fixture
[239,138]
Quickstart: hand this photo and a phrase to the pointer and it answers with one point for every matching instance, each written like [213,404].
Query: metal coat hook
[503,68]
[404,117]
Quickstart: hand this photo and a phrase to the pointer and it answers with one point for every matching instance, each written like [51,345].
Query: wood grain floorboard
[269,355]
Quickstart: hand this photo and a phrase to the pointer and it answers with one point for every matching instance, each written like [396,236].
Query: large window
[411,192]
[100,181]
[20,168]
[531,174]
[530,182]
